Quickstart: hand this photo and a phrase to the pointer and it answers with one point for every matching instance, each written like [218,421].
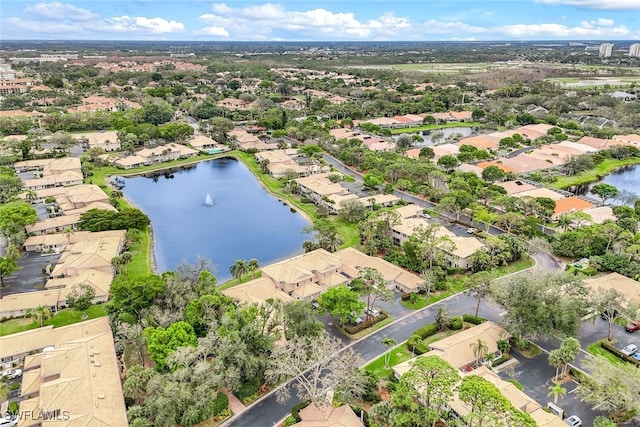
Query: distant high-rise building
[634,50]
[605,50]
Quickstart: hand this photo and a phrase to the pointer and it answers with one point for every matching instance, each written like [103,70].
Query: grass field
[436,126]
[597,350]
[601,170]
[62,318]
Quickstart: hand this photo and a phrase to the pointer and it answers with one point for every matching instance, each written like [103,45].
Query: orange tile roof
[569,204]
[484,165]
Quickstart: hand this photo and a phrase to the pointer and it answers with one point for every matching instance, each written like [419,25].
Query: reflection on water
[626,179]
[243,222]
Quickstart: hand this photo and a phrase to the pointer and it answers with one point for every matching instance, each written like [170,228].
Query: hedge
[354,329]
[474,320]
[427,330]
[616,352]
[500,360]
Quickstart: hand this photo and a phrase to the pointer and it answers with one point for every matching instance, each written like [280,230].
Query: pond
[243,220]
[625,179]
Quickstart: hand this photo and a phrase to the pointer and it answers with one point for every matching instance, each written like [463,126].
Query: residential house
[457,349]
[234,104]
[318,187]
[54,225]
[75,383]
[614,281]
[152,156]
[53,242]
[570,204]
[328,416]
[95,254]
[50,173]
[107,140]
[204,143]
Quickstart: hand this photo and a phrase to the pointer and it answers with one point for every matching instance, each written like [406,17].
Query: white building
[605,50]
[634,50]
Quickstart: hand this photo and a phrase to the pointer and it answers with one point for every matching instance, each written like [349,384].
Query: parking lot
[535,376]
[28,277]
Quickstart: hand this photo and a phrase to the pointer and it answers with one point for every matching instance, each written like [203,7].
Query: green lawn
[436,126]
[601,170]
[399,354]
[233,282]
[597,350]
[457,283]
[62,318]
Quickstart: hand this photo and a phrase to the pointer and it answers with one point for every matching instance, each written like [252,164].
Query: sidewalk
[235,405]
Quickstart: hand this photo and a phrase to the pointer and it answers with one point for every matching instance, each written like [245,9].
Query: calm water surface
[244,221]
[624,179]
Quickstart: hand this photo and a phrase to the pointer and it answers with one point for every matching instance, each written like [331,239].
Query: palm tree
[387,343]
[30,195]
[564,221]
[239,269]
[480,349]
[68,232]
[4,391]
[40,314]
[557,391]
[253,267]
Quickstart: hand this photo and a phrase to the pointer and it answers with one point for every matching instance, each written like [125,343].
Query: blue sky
[330,20]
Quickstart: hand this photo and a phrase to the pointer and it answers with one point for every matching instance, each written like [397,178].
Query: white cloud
[122,24]
[212,31]
[455,28]
[586,29]
[597,4]
[59,11]
[265,21]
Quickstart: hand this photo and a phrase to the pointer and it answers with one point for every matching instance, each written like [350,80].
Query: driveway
[535,376]
[29,277]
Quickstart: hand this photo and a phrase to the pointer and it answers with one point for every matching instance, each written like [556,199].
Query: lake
[625,179]
[243,222]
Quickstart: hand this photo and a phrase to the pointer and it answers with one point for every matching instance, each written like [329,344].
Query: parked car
[472,230]
[11,374]
[573,421]
[632,326]
[630,349]
[373,312]
[636,356]
[315,304]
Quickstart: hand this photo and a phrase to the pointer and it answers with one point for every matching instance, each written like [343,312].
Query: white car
[373,312]
[573,421]
[11,373]
[630,349]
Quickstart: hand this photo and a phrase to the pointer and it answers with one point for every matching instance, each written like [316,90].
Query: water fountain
[208,201]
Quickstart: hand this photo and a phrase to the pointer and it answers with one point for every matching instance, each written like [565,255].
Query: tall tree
[81,297]
[372,285]
[341,302]
[479,286]
[433,381]
[317,367]
[556,391]
[480,349]
[611,304]
[605,191]
[238,269]
[387,343]
[613,387]
[8,266]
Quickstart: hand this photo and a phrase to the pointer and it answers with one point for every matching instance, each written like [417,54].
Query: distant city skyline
[328,20]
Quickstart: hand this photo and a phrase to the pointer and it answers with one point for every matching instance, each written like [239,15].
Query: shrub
[500,360]
[217,405]
[406,297]
[474,320]
[295,411]
[13,407]
[249,389]
[456,323]
[354,329]
[289,421]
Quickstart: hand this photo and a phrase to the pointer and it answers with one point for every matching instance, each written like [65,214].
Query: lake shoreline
[598,173]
